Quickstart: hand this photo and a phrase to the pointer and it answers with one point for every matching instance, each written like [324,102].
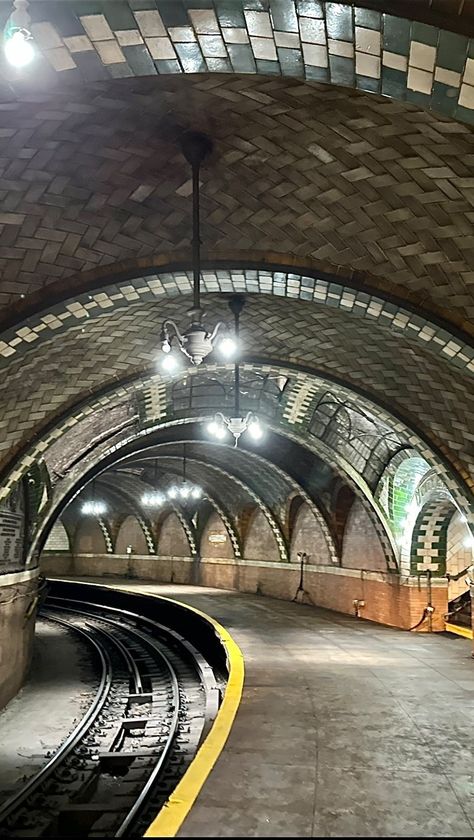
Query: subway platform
[345,727]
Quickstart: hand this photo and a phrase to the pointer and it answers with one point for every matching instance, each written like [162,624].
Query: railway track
[155,700]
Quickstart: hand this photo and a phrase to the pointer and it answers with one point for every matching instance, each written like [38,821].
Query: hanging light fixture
[196,342]
[238,424]
[93,506]
[17,38]
[183,492]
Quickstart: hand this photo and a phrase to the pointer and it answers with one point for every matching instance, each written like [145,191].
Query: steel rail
[36,781]
[173,726]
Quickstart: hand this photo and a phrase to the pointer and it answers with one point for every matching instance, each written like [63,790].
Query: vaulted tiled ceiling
[349,183]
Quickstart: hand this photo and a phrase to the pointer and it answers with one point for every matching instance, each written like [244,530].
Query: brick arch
[89,538]
[222,546]
[291,39]
[260,542]
[175,536]
[430,536]
[58,539]
[308,536]
[363,545]
[131,533]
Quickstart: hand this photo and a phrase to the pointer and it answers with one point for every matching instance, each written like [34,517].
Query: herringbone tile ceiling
[391,370]
[350,182]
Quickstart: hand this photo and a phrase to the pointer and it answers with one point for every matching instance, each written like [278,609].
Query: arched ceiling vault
[342,43]
[394,372]
[349,183]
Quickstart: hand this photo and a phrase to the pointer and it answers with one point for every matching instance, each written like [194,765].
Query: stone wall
[17,624]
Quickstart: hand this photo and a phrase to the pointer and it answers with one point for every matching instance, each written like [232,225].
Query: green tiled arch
[328,42]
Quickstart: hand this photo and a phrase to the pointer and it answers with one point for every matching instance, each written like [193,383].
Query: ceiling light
[93,508]
[227,347]
[169,362]
[238,424]
[18,40]
[197,341]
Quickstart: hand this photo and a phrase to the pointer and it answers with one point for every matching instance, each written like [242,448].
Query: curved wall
[17,625]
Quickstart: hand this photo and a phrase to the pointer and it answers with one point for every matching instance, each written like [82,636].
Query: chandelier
[182,491]
[197,341]
[238,424]
[18,46]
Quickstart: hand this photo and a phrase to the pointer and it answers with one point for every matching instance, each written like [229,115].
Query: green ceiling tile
[166,66]
[368,19]
[119,15]
[367,83]
[310,8]
[120,71]
[396,34]
[90,66]
[418,98]
[142,5]
[341,70]
[464,114]
[66,22]
[424,33]
[291,62]
[219,65]
[268,68]
[316,74]
[173,13]
[339,22]
[452,51]
[191,58]
[284,15]
[470,48]
[229,14]
[242,58]
[139,60]
[394,83]
[441,100]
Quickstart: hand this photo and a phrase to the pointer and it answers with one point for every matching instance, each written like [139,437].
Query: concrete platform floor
[58,691]
[346,728]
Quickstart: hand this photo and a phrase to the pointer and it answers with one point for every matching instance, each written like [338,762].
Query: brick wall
[215,541]
[89,538]
[260,543]
[130,533]
[172,539]
[361,548]
[388,598]
[308,536]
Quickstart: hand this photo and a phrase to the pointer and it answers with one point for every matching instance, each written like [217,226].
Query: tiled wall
[321,41]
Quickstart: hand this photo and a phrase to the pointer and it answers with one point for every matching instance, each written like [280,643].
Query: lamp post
[237,424]
[196,342]
[18,40]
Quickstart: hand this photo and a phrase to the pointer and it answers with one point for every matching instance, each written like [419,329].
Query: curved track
[155,701]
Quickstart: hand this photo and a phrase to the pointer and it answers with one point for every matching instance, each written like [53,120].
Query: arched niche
[89,538]
[361,546]
[58,540]
[131,534]
[260,542]
[172,539]
[307,535]
[215,540]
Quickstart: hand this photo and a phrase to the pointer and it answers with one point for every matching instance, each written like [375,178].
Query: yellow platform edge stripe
[460,631]
[175,810]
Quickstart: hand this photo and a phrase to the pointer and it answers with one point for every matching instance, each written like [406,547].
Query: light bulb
[184,492]
[196,492]
[19,49]
[172,492]
[93,508]
[169,363]
[255,430]
[227,347]
[166,346]
[212,427]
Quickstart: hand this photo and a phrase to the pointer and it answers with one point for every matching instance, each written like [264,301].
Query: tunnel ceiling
[355,184]
[417,59]
[388,368]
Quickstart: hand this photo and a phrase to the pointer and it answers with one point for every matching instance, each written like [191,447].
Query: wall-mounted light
[94,508]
